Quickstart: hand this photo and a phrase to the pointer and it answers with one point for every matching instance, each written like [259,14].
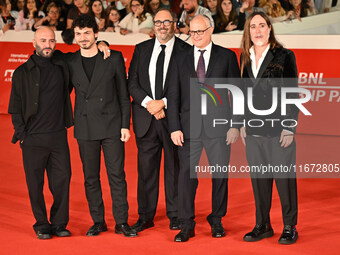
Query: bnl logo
[8,75]
[238,99]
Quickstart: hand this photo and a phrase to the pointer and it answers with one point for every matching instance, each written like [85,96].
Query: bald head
[44,42]
[201,31]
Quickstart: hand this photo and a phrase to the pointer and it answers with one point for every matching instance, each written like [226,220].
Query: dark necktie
[200,71]
[159,74]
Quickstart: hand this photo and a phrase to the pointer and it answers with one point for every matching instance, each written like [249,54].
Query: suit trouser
[264,151]
[90,152]
[149,161]
[48,151]
[218,153]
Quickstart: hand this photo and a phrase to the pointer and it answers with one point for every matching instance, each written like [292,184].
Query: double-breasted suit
[102,109]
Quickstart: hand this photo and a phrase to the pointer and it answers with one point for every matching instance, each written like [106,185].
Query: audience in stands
[190,10]
[227,19]
[123,6]
[126,16]
[8,16]
[137,21]
[151,6]
[211,5]
[275,11]
[79,8]
[29,15]
[52,19]
[112,19]
[97,10]
[250,9]
[18,5]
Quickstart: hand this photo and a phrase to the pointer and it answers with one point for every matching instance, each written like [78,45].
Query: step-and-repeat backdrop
[317,61]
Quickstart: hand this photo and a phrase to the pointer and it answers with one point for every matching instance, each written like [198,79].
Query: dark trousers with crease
[218,153]
[48,151]
[90,153]
[264,151]
[149,161]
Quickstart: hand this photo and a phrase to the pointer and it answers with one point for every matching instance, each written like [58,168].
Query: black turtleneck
[50,115]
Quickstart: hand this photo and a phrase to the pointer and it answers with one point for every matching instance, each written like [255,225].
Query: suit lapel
[250,73]
[264,66]
[98,72]
[146,58]
[190,63]
[212,60]
[175,50]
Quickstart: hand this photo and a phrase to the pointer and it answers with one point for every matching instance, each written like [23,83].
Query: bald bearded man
[41,111]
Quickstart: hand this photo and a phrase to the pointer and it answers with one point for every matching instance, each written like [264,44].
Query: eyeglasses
[166,23]
[198,32]
[135,5]
[52,12]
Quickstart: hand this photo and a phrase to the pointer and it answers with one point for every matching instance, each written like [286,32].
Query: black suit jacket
[277,70]
[139,81]
[184,110]
[102,105]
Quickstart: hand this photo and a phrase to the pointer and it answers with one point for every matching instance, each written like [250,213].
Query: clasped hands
[155,108]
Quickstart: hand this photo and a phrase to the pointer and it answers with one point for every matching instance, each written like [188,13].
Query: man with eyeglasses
[148,84]
[192,132]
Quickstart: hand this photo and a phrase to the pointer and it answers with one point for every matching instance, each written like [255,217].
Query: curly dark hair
[85,20]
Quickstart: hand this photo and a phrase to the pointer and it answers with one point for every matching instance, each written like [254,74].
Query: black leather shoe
[289,235]
[184,235]
[96,229]
[259,232]
[140,225]
[174,224]
[43,235]
[61,232]
[125,229]
[217,229]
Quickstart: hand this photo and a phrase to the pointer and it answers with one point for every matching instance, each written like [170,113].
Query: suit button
[35,103]
[37,84]
[101,99]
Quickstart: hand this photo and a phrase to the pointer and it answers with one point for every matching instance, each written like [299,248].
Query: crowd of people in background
[136,16]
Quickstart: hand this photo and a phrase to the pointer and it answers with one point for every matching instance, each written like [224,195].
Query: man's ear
[34,43]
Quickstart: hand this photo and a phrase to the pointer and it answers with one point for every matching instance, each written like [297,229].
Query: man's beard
[168,35]
[192,10]
[85,47]
[40,51]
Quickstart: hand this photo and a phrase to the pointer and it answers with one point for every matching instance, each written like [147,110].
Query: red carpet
[318,221]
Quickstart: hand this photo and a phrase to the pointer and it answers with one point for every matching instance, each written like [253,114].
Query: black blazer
[184,112]
[102,105]
[277,70]
[139,81]
[24,99]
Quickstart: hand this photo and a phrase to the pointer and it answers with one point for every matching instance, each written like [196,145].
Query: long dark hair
[108,22]
[35,14]
[224,19]
[102,14]
[246,42]
[142,17]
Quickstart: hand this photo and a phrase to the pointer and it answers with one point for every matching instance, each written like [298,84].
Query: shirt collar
[207,49]
[252,52]
[169,44]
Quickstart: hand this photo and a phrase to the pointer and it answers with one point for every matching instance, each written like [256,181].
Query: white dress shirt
[206,56]
[152,67]
[255,68]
